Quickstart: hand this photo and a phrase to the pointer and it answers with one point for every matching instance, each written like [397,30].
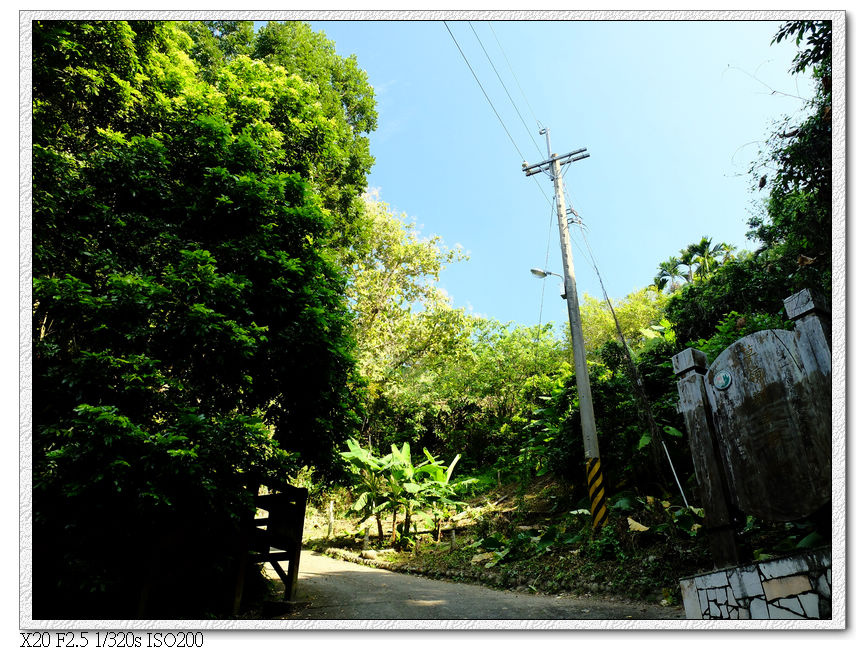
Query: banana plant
[393,483]
[370,483]
[405,493]
[439,492]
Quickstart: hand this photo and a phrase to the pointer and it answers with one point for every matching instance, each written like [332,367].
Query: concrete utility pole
[553,167]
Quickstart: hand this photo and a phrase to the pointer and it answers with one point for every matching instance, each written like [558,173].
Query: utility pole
[553,167]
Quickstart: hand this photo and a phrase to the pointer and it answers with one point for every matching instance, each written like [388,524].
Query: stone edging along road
[490,578]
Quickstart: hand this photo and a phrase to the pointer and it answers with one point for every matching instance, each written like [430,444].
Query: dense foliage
[501,395]
[796,229]
[190,325]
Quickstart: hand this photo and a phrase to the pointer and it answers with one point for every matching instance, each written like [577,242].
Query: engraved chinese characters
[770,419]
[759,424]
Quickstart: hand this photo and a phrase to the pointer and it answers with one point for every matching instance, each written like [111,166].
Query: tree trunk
[406,527]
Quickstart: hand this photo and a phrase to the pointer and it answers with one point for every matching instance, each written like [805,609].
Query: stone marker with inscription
[759,422]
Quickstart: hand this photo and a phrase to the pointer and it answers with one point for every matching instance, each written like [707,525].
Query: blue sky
[672,114]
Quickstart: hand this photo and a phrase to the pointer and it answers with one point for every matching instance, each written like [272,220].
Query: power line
[492,106]
[482,90]
[490,25]
[546,265]
[638,381]
[520,115]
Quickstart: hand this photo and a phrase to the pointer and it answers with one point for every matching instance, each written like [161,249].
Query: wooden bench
[276,538]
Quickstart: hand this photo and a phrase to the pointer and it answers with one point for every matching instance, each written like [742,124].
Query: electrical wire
[483,91]
[634,369]
[513,74]
[520,115]
[493,107]
[546,266]
[480,85]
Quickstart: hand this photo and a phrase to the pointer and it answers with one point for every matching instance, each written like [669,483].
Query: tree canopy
[190,321]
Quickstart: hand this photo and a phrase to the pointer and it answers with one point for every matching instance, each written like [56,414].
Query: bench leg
[289,578]
[293,569]
[284,577]
[239,583]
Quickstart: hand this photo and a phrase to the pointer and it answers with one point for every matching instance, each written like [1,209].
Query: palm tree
[688,259]
[701,258]
[705,256]
[728,251]
[667,273]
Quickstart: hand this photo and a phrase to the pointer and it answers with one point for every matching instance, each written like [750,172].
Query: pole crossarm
[545,165]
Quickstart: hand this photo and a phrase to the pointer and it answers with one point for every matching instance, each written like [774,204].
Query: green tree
[346,98]
[796,227]
[234,37]
[370,484]
[741,285]
[402,320]
[637,311]
[688,259]
[431,374]
[393,482]
[706,256]
[701,259]
[479,400]
[668,273]
[214,42]
[190,328]
[394,275]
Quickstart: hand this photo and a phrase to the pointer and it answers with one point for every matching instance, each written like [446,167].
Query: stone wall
[793,587]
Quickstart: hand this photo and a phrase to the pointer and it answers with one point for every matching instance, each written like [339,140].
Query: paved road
[336,590]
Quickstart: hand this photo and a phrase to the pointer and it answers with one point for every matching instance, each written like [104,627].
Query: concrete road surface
[336,590]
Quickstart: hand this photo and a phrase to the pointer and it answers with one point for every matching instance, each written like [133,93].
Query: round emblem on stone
[722,380]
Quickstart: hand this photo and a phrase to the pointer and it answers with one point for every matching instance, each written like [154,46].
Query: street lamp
[540,273]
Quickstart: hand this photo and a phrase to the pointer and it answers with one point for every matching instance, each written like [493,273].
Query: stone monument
[760,428]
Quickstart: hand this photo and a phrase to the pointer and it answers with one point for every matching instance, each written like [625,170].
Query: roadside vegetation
[217,298]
